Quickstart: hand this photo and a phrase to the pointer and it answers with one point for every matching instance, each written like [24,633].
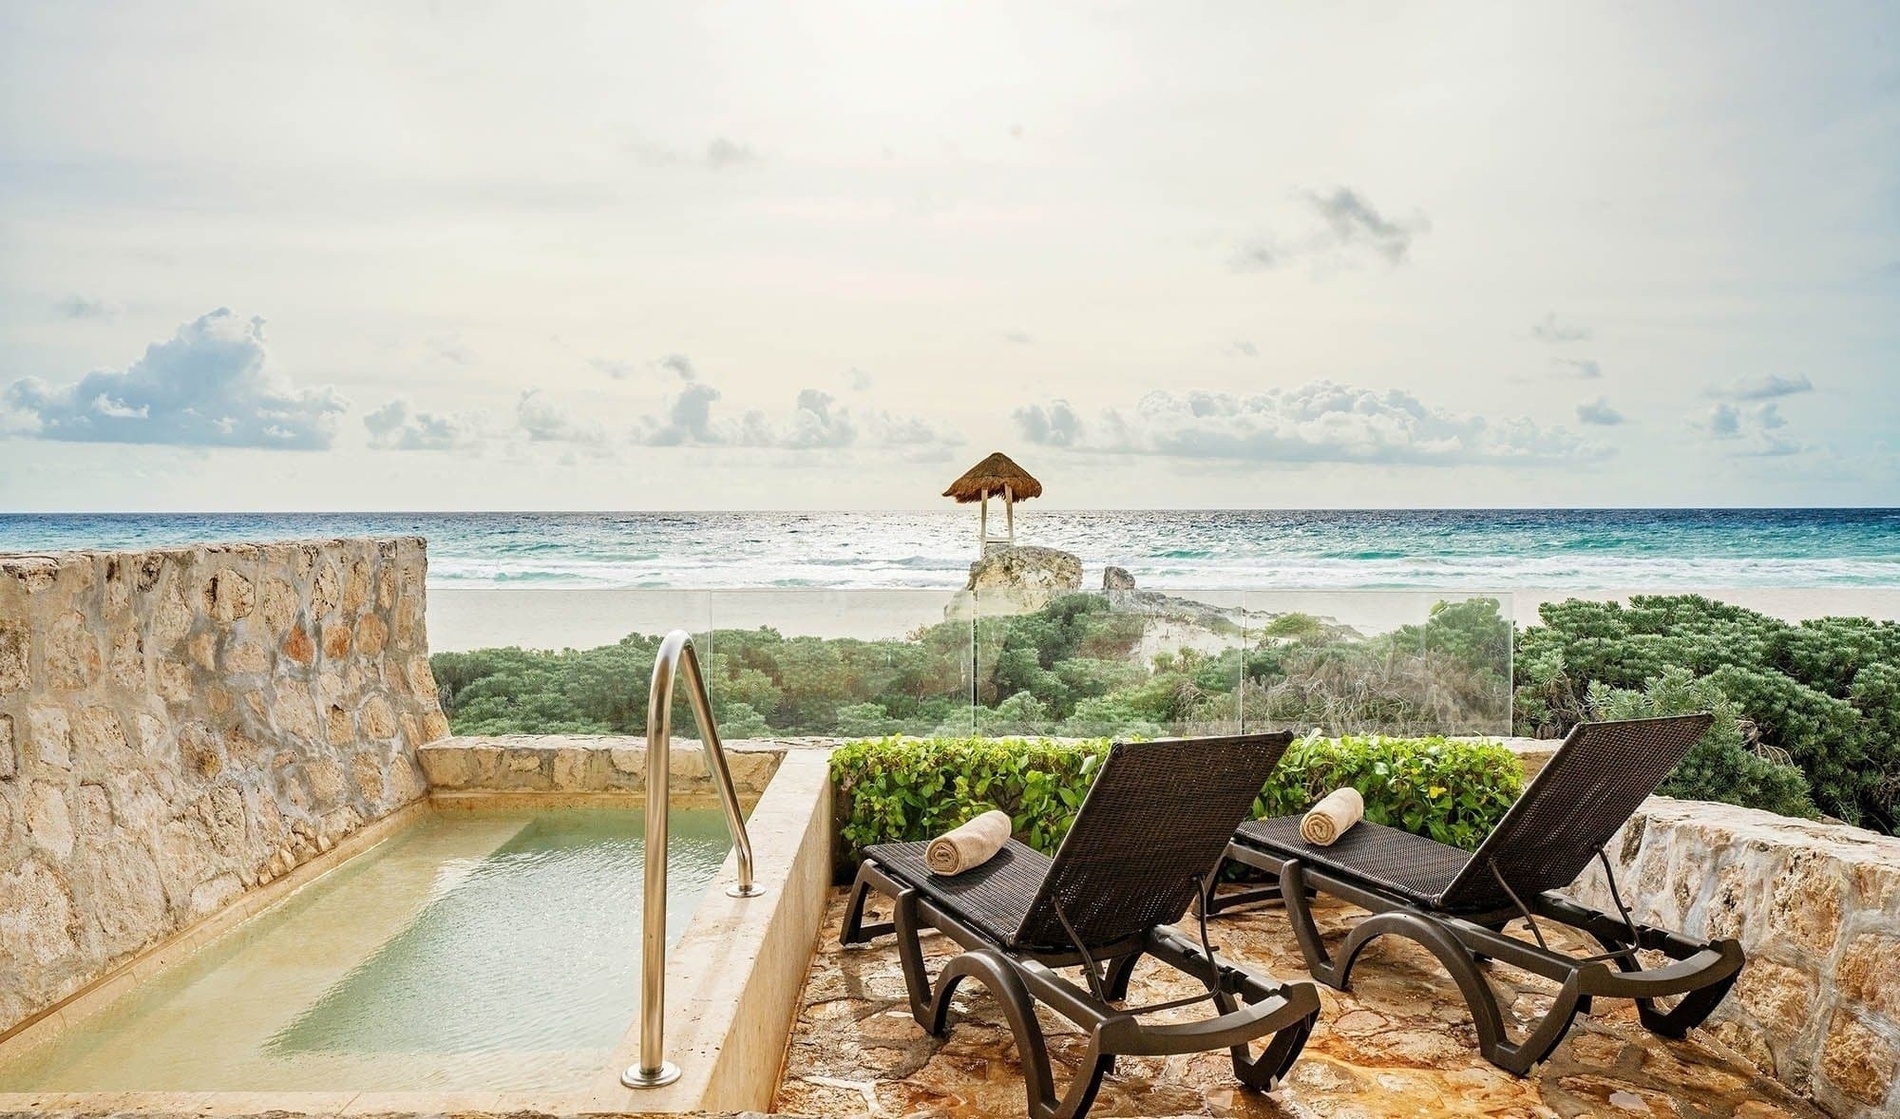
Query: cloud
[84,307]
[1582,368]
[1750,432]
[547,422]
[618,370]
[679,365]
[720,154]
[1054,426]
[1349,226]
[1315,423]
[1018,337]
[1244,348]
[212,384]
[816,421]
[393,427]
[1548,329]
[857,380]
[1768,387]
[1355,222]
[1599,413]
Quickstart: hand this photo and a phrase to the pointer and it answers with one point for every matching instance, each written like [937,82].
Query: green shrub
[1823,695]
[1720,767]
[896,789]
[1452,791]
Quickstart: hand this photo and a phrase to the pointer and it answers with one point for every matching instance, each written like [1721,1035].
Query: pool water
[476,950]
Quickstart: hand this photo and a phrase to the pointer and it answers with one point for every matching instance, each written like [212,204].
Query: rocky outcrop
[1117,579]
[1024,578]
[178,727]
[1816,907]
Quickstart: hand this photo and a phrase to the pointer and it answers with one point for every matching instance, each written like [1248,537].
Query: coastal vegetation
[1808,715]
[1807,711]
[1080,665]
[906,789]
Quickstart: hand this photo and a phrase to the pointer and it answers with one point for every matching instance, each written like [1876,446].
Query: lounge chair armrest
[1712,964]
[1292,1003]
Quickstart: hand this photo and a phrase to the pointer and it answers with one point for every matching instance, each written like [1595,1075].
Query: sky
[625,256]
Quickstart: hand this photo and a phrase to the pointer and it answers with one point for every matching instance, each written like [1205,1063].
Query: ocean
[1661,549]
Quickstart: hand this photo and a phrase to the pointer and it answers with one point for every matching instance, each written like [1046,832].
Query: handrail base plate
[637,1077]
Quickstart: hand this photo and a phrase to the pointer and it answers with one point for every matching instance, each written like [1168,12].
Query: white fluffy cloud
[816,421]
[1557,332]
[1317,422]
[1752,431]
[1767,387]
[211,384]
[544,421]
[1348,227]
[395,427]
[1054,425]
[1599,413]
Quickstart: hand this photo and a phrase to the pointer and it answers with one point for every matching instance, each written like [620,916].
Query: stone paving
[1399,1044]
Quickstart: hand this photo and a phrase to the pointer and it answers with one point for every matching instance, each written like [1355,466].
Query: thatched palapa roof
[992,474]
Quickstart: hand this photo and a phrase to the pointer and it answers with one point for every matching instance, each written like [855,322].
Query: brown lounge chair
[1148,834]
[1457,905]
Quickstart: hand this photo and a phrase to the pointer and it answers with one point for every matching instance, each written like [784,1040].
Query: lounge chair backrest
[1158,817]
[1590,788]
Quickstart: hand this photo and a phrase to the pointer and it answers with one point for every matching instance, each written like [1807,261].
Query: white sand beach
[465,618]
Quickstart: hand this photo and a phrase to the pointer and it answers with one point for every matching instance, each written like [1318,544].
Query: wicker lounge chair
[1147,836]
[1457,905]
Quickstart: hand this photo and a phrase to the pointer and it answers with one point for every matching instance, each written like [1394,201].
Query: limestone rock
[36,918]
[1857,1060]
[51,732]
[1870,972]
[8,764]
[1024,578]
[72,652]
[1117,579]
[13,662]
[48,823]
[229,596]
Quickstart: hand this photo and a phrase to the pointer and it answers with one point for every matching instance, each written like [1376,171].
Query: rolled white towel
[1326,821]
[969,844]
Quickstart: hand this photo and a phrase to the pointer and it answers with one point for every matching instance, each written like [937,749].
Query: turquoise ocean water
[1673,548]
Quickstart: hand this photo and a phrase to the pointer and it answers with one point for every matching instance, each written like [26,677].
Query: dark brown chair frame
[1134,860]
[1457,906]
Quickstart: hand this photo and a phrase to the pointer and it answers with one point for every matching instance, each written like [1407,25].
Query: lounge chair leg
[855,931]
[1493,1041]
[910,953]
[1265,1072]
[1120,971]
[994,972]
[1300,915]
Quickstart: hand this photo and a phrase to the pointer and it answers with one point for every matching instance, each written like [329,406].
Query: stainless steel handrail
[677,650]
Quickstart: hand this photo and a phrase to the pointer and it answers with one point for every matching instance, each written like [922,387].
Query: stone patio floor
[1400,1043]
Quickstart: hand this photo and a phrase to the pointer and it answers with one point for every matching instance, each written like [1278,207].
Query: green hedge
[894,789]
[1817,704]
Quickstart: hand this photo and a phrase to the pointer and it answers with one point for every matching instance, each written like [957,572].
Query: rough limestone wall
[1817,909]
[177,727]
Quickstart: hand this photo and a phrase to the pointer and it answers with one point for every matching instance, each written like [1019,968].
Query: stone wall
[1816,907]
[587,763]
[177,727]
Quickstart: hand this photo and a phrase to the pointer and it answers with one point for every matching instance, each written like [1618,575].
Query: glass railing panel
[1117,664]
[838,663]
[557,661]
[1378,662]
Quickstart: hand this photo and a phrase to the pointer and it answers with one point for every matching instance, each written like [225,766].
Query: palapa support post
[995,475]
